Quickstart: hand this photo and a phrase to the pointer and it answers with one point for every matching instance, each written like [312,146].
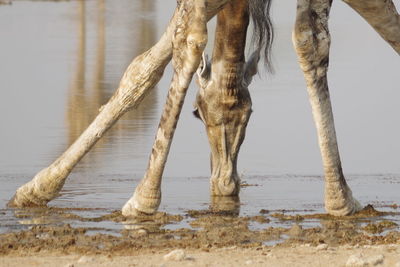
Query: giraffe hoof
[350,207]
[141,204]
[28,196]
[225,187]
[18,201]
[128,210]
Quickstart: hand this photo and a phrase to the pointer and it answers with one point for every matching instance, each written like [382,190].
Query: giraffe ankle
[225,186]
[142,201]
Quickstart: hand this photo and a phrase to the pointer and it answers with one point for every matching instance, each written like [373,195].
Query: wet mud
[207,229]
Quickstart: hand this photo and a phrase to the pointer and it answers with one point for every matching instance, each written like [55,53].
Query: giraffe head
[223,103]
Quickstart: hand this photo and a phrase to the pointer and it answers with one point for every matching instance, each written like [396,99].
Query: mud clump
[41,237]
[264,211]
[284,217]
[369,211]
[377,228]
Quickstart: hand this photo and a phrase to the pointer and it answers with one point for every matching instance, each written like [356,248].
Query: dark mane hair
[263,32]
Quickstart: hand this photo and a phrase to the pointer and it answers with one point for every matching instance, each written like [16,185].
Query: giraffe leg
[382,16]
[140,77]
[188,44]
[311,40]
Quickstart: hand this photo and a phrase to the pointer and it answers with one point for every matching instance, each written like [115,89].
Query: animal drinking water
[223,102]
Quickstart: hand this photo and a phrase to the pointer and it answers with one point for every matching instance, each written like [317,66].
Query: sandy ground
[298,255]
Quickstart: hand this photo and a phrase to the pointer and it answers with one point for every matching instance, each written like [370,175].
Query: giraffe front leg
[311,40]
[140,77]
[188,43]
[382,16]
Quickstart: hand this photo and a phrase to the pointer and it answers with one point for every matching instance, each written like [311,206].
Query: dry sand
[298,255]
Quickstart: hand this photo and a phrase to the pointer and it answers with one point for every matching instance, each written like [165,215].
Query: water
[60,61]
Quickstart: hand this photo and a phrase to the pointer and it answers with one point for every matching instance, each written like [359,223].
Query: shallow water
[60,61]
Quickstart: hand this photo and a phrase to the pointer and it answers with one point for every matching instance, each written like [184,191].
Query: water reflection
[77,118]
[91,87]
[98,39]
[225,204]
[144,36]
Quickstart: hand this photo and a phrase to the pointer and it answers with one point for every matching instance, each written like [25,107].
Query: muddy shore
[211,234]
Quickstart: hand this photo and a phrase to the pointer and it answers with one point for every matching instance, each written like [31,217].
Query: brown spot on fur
[158,145]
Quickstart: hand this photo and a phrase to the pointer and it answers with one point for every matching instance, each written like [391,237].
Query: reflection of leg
[383,16]
[312,40]
[230,204]
[141,76]
[188,44]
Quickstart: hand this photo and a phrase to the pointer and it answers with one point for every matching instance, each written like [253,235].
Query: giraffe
[223,102]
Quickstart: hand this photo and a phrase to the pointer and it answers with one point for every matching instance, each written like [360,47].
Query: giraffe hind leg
[312,41]
[382,16]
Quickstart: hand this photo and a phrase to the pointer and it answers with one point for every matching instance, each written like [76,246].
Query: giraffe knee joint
[197,41]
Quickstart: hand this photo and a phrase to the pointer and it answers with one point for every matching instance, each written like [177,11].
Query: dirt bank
[215,238]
